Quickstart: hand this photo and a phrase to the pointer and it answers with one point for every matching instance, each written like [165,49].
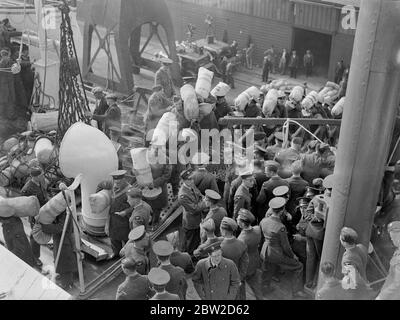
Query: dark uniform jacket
[204,180]
[112,118]
[100,110]
[216,283]
[285,158]
[177,284]
[276,248]
[183,260]
[165,296]
[157,106]
[161,174]
[16,240]
[140,215]
[199,253]
[137,254]
[119,226]
[272,151]
[217,214]
[266,194]
[241,200]
[135,287]
[252,110]
[358,258]
[32,189]
[222,109]
[298,187]
[189,199]
[163,78]
[312,166]
[252,238]
[236,251]
[67,261]
[209,122]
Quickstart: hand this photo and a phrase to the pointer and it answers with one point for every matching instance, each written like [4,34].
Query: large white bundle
[269,106]
[338,108]
[332,85]
[220,90]
[190,103]
[100,202]
[297,93]
[244,98]
[44,149]
[163,130]
[141,165]
[272,94]
[44,121]
[203,83]
[53,208]
[19,206]
[9,143]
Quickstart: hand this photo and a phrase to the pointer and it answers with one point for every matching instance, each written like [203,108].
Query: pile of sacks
[329,93]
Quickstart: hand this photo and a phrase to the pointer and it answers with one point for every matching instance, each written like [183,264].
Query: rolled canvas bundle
[19,206]
[53,208]
[297,93]
[100,203]
[43,150]
[338,108]
[88,151]
[190,103]
[44,121]
[141,166]
[9,143]
[203,83]
[270,102]
[244,98]
[163,130]
[220,90]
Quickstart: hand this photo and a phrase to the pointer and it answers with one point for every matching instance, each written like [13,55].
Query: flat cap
[158,276]
[318,182]
[328,182]
[128,263]
[212,194]
[212,247]
[186,174]
[97,90]
[271,164]
[394,226]
[303,201]
[278,136]
[111,96]
[229,224]
[246,215]
[297,140]
[134,193]
[163,248]
[136,233]
[208,225]
[277,203]
[245,174]
[35,171]
[312,191]
[280,191]
[200,158]
[119,174]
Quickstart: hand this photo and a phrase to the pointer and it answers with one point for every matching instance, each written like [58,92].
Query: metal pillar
[367,124]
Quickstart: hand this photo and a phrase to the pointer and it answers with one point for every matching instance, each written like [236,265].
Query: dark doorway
[320,46]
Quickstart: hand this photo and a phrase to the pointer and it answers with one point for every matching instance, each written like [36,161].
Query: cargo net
[73,100]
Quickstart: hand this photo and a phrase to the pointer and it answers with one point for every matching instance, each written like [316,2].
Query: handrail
[230,121]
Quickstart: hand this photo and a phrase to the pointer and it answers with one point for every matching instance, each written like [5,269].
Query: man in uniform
[164,79]
[208,232]
[271,151]
[222,107]
[140,210]
[314,163]
[216,212]
[286,157]
[203,179]
[215,277]
[251,236]
[159,278]
[177,284]
[158,104]
[266,193]
[101,105]
[138,248]
[297,185]
[135,286]
[161,172]
[190,198]
[35,186]
[177,258]
[276,251]
[391,287]
[236,250]
[117,225]
[112,117]
[243,196]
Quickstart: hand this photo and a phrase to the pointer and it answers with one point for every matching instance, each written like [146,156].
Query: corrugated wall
[240,6]
[264,32]
[272,9]
[316,17]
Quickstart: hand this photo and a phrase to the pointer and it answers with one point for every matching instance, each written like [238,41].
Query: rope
[288,121]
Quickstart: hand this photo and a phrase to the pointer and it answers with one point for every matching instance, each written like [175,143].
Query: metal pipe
[367,125]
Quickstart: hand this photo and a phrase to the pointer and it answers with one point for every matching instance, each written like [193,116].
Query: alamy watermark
[349,19]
